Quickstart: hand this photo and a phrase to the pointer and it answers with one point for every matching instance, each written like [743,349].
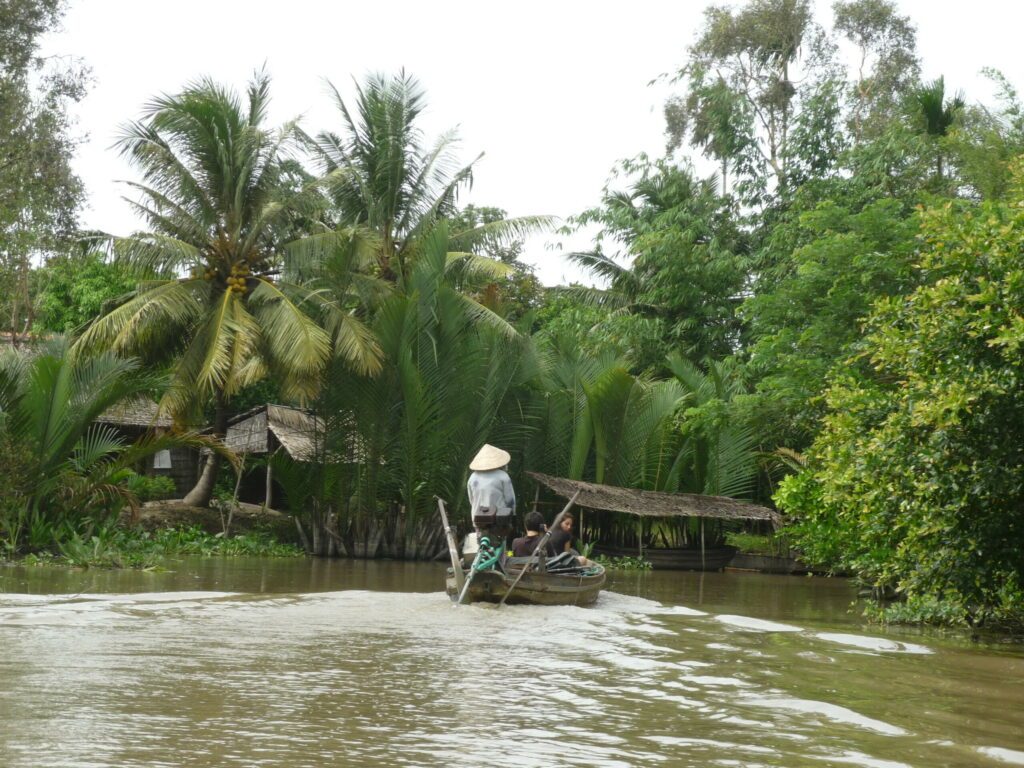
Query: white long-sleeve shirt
[490,489]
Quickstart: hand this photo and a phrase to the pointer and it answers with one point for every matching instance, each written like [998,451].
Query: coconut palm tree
[450,364]
[224,315]
[62,468]
[383,175]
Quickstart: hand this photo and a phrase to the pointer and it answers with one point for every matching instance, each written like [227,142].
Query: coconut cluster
[237,280]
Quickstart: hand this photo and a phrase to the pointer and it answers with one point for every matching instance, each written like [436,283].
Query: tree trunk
[202,493]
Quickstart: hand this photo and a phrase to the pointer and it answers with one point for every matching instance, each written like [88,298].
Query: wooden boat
[575,586]
[682,559]
[559,580]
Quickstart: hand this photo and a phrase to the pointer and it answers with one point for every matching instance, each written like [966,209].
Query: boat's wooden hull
[533,588]
[713,558]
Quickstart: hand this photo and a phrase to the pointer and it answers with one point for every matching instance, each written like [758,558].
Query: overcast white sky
[553,92]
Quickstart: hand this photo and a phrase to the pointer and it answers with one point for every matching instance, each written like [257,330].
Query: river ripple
[400,677]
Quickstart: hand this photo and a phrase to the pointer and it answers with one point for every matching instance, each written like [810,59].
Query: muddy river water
[257,662]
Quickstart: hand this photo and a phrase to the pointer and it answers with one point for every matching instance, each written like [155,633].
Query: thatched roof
[296,430]
[653,503]
[135,412]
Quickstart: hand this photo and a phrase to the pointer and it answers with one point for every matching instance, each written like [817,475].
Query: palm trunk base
[201,494]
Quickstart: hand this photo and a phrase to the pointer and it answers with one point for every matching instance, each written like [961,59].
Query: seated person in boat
[562,538]
[524,546]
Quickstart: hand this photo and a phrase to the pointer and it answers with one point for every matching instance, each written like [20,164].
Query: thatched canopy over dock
[653,503]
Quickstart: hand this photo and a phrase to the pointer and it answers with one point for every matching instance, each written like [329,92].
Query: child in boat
[524,546]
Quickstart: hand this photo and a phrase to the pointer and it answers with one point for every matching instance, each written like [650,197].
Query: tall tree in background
[936,115]
[887,63]
[688,265]
[72,290]
[383,176]
[518,291]
[987,139]
[213,198]
[742,86]
[39,193]
[715,118]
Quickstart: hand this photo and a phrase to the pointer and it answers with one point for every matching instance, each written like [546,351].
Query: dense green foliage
[39,192]
[688,267]
[844,258]
[74,290]
[65,474]
[916,480]
[119,547]
[839,199]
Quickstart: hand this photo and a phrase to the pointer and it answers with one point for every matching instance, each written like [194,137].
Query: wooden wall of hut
[184,470]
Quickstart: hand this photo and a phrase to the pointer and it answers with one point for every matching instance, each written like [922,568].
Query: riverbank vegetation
[128,547]
[812,299]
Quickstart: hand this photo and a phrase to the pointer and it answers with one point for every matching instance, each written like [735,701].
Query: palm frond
[169,306]
[98,443]
[150,252]
[468,267]
[613,301]
[503,232]
[732,465]
[296,344]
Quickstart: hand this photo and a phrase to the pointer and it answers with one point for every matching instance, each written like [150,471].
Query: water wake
[398,678]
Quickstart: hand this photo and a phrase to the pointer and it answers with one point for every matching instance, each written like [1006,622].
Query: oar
[453,548]
[541,545]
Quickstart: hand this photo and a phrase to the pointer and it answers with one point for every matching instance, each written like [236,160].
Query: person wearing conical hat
[489,484]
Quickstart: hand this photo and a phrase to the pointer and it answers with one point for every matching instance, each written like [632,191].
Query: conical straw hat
[488,458]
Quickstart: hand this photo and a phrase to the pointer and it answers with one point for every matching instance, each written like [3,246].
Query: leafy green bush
[113,547]
[624,563]
[193,540]
[148,488]
[916,482]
